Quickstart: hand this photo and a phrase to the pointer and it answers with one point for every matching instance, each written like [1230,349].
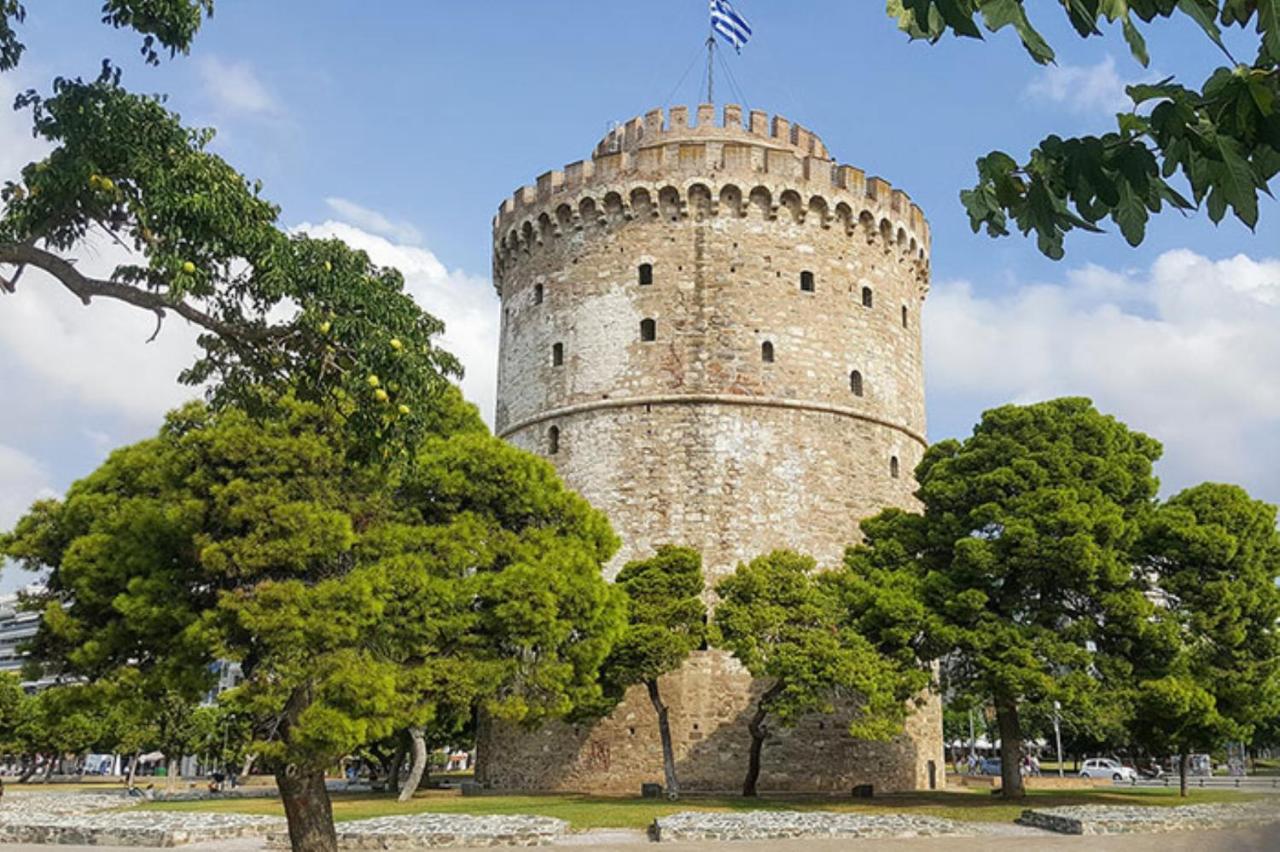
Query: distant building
[16,628]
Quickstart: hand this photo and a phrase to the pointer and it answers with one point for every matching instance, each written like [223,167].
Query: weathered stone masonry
[713,331]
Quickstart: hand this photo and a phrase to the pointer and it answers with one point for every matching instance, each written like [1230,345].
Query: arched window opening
[648,330]
[646,274]
[893,466]
[553,440]
[806,281]
[867,297]
[904,316]
[557,355]
[537,294]
[855,383]
[766,352]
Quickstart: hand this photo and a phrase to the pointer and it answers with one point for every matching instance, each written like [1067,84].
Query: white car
[1104,767]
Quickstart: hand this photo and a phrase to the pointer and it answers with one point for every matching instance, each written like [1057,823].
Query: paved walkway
[1240,840]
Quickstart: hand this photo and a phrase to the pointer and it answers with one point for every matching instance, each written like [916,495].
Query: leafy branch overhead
[1221,141]
[279,311]
[171,24]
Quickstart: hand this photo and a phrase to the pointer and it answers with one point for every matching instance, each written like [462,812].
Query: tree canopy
[278,311]
[1213,553]
[666,622]
[358,601]
[1221,139]
[784,623]
[1023,561]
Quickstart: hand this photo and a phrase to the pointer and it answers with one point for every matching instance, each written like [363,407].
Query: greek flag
[730,26]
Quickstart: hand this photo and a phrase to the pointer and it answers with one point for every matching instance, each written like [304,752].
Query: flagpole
[711,70]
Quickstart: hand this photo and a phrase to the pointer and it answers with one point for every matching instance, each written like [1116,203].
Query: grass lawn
[585,812]
[86,786]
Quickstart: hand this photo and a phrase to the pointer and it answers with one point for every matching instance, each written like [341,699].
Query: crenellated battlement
[662,164]
[671,127]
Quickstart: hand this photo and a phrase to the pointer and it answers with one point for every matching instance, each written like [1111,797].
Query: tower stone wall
[713,331]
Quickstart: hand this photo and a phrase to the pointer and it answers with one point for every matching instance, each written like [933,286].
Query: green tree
[351,594]
[1214,552]
[13,707]
[278,312]
[1023,562]
[789,629]
[1221,139]
[667,621]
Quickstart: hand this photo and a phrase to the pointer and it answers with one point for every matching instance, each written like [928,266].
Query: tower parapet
[651,167]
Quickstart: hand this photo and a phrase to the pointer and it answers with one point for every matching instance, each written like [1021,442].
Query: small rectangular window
[806,281]
[557,355]
[646,274]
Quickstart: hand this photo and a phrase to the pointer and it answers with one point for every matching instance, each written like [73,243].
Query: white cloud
[23,480]
[372,220]
[467,304]
[234,87]
[1083,88]
[17,146]
[95,355]
[1186,351]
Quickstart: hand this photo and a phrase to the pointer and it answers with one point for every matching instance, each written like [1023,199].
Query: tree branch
[86,289]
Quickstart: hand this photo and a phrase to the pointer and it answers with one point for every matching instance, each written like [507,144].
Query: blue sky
[402,126]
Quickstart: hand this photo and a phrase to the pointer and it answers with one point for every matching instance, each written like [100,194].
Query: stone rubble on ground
[418,831]
[103,819]
[1108,819]
[777,825]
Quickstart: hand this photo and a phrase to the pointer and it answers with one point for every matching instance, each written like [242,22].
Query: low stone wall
[1035,782]
[1104,819]
[134,828]
[109,819]
[419,831]
[779,825]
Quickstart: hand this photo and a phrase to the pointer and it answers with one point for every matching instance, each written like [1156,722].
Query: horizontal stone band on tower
[707,398]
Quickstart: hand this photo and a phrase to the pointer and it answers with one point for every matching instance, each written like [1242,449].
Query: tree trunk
[133,768]
[664,732]
[308,810]
[247,766]
[397,763]
[1184,762]
[171,776]
[1010,749]
[419,766]
[48,770]
[758,734]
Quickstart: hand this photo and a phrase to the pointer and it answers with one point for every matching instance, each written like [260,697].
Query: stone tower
[713,331]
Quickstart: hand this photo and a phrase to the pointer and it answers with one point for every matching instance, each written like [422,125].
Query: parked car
[989,766]
[1105,767]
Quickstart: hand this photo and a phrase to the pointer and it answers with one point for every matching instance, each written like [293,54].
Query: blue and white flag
[729,25]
